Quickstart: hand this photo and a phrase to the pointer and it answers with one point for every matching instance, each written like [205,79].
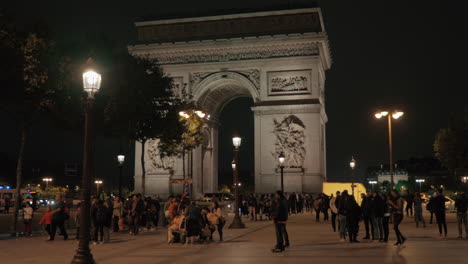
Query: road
[310,243]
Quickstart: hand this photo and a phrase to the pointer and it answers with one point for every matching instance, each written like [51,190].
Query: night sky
[405,54]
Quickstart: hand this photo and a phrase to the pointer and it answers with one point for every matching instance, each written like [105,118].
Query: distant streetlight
[281,160]
[120,160]
[237,221]
[91,85]
[98,183]
[352,164]
[372,183]
[420,181]
[47,180]
[395,115]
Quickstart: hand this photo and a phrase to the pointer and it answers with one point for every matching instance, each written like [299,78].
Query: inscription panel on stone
[289,82]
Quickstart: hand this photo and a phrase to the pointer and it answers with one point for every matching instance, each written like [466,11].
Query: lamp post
[395,115]
[91,84]
[237,221]
[98,183]
[281,162]
[352,164]
[420,181]
[47,180]
[372,183]
[120,160]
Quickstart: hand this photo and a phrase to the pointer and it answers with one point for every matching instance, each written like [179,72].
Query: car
[449,204]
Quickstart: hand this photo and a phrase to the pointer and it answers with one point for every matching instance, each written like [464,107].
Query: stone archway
[282,68]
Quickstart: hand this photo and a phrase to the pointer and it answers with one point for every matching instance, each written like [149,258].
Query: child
[47,219]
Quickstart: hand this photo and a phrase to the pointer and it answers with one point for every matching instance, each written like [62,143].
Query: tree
[451,145]
[27,54]
[143,107]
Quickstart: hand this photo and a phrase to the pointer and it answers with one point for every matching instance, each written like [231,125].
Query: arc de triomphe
[279,59]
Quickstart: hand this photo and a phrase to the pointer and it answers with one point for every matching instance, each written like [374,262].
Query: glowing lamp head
[91,82]
[397,114]
[98,181]
[121,159]
[281,159]
[200,114]
[236,141]
[352,163]
[184,114]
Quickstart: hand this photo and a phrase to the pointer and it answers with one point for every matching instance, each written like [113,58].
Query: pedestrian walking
[438,207]
[136,214]
[461,203]
[318,207]
[280,218]
[396,204]
[418,210]
[221,221]
[252,207]
[429,206]
[47,220]
[58,218]
[28,214]
[99,218]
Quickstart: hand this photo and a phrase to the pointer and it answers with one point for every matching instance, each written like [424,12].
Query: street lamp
[281,163]
[98,183]
[352,164]
[47,180]
[395,115]
[237,221]
[420,181]
[372,183]
[91,85]
[120,160]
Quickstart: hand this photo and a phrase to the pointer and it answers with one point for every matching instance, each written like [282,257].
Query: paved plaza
[311,242]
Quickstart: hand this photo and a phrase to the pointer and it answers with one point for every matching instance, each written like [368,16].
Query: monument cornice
[223,51]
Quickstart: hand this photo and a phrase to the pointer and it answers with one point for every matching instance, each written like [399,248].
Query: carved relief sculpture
[290,139]
[289,82]
[156,161]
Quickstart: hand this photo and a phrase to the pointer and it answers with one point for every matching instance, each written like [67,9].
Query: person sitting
[207,227]
[176,229]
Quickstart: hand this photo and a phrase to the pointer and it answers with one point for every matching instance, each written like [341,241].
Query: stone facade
[283,71]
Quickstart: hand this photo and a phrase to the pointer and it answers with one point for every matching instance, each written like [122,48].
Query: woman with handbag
[221,220]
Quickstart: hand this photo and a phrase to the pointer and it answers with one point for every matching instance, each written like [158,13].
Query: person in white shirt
[27,219]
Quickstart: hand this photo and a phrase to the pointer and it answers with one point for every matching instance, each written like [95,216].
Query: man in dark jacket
[280,217]
[438,207]
[341,205]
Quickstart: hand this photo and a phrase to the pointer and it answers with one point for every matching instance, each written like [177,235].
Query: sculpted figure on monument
[290,139]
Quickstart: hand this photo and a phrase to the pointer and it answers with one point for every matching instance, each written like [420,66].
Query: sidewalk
[148,244]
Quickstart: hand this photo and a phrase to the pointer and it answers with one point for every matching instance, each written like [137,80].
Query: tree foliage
[451,145]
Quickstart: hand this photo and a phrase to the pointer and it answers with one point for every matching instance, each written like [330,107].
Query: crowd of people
[189,223]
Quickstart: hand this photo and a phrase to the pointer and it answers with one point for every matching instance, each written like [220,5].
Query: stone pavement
[311,243]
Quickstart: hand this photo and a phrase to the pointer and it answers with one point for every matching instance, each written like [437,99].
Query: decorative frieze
[231,54]
[252,74]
